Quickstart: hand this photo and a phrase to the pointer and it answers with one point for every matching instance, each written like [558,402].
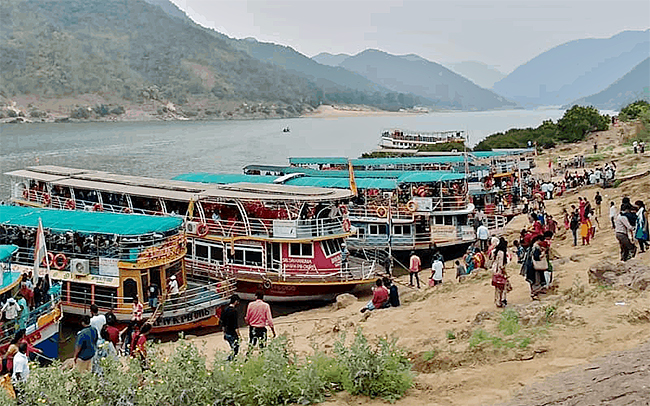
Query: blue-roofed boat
[110,258]
[43,322]
[282,239]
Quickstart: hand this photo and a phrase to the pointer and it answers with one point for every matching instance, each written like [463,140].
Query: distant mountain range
[413,74]
[575,69]
[325,58]
[635,85]
[478,72]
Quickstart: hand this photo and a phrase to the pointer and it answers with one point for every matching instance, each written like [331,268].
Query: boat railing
[496,223]
[8,329]
[350,270]
[274,228]
[400,212]
[199,294]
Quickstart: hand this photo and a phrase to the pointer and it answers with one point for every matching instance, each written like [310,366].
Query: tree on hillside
[633,110]
[578,121]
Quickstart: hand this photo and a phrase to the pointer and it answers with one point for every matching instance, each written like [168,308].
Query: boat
[284,240]
[286,130]
[401,210]
[401,139]
[110,258]
[42,326]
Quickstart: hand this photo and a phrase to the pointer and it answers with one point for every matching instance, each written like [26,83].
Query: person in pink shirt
[379,297]
[415,268]
[258,316]
[137,310]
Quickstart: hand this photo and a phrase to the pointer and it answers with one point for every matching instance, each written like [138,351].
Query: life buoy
[47,199]
[60,261]
[381,211]
[26,194]
[267,284]
[98,207]
[48,260]
[70,204]
[421,191]
[202,230]
[127,210]
[346,225]
[344,209]
[412,206]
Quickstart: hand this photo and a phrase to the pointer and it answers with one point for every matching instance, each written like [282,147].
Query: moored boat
[284,240]
[109,259]
[400,139]
[42,324]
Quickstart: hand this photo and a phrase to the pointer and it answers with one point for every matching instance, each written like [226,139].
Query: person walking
[598,199]
[483,235]
[229,322]
[258,317]
[613,212]
[641,232]
[574,225]
[415,266]
[96,320]
[85,346]
[622,229]
[499,275]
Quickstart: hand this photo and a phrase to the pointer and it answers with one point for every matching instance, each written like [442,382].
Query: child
[519,250]
[461,271]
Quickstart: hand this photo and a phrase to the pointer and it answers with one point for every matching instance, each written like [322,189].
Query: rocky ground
[467,352]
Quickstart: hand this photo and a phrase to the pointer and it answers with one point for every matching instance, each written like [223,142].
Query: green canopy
[429,176]
[6,251]
[343,183]
[398,161]
[87,222]
[224,178]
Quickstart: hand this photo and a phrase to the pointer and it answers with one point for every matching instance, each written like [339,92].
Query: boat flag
[40,251]
[353,183]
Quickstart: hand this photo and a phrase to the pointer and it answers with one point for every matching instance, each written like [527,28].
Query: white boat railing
[354,269]
[271,228]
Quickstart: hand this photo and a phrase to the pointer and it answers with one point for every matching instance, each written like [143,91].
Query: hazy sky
[504,34]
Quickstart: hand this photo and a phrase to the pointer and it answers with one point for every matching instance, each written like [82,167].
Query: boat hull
[300,292]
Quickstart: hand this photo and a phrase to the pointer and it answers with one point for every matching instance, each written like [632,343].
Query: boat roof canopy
[6,251]
[365,162]
[430,176]
[88,222]
[223,178]
[344,183]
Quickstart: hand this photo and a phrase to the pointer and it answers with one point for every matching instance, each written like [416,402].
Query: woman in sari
[641,233]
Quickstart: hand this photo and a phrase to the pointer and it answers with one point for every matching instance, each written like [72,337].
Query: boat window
[438,220]
[331,247]
[105,297]
[177,208]
[449,220]
[129,289]
[301,250]
[239,257]
[190,249]
[175,269]
[377,229]
[402,229]
[80,293]
[201,251]
[216,254]
[254,258]
[462,220]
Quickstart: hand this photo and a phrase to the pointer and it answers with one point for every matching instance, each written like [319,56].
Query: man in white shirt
[483,234]
[21,365]
[623,228]
[11,309]
[436,272]
[612,213]
[97,320]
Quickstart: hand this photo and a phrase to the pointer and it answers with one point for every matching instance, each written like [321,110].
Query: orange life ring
[26,194]
[48,260]
[47,199]
[412,206]
[98,207]
[381,211]
[202,230]
[346,225]
[127,210]
[60,261]
[70,204]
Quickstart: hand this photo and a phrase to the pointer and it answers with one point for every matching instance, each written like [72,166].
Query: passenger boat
[110,258]
[42,325]
[400,139]
[401,210]
[285,240]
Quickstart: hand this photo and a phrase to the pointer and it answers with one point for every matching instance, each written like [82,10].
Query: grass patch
[429,355]
[451,335]
[594,157]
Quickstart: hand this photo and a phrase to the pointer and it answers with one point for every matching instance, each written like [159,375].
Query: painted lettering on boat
[299,265]
[185,318]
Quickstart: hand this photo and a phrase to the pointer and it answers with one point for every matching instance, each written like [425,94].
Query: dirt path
[621,378]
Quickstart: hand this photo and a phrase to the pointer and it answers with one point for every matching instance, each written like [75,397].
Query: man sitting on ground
[379,297]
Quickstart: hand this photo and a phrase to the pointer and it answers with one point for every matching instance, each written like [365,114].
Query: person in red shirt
[139,345]
[258,316]
[113,332]
[379,297]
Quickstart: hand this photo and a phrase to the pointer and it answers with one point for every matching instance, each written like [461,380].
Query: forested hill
[68,47]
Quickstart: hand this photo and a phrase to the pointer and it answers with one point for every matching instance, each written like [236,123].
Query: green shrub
[509,323]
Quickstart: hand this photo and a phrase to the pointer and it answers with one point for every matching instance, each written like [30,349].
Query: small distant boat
[286,130]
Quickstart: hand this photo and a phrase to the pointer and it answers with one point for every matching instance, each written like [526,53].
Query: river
[166,149]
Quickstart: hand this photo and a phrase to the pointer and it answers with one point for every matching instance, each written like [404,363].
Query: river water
[166,149]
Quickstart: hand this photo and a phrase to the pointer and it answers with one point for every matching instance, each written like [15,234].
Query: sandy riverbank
[574,324]
[337,111]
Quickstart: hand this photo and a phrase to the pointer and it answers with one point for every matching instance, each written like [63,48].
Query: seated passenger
[379,297]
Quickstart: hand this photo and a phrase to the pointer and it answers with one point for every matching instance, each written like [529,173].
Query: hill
[575,69]
[325,58]
[478,72]
[132,50]
[635,85]
[413,74]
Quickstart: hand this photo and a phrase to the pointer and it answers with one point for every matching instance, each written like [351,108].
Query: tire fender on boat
[267,284]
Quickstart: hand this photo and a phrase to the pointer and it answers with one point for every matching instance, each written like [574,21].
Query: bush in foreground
[273,376]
